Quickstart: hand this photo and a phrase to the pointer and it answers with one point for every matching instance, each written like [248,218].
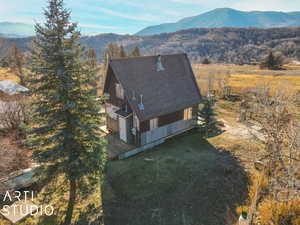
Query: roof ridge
[146,56]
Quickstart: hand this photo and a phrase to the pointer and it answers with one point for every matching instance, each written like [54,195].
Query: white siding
[165,131]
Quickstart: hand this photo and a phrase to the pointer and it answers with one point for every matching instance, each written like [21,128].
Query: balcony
[166,131]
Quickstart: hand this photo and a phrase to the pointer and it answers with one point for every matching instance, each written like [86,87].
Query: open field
[240,78]
[6,74]
[241,82]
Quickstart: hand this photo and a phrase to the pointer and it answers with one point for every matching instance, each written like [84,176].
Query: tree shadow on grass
[183,181]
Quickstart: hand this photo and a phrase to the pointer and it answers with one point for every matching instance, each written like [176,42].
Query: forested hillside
[223,45]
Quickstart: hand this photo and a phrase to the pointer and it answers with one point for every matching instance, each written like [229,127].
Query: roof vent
[133,96]
[159,66]
[141,105]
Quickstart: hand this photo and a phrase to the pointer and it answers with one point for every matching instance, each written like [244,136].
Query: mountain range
[15,30]
[222,17]
[220,45]
[227,17]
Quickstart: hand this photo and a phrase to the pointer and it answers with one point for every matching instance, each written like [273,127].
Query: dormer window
[119,91]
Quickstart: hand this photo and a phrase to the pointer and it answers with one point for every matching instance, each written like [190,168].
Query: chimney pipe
[159,66]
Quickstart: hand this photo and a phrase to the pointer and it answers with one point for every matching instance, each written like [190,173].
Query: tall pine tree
[65,132]
[136,52]
[123,53]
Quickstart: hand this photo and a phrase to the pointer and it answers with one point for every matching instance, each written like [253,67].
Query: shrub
[272,61]
[12,114]
[206,61]
[280,213]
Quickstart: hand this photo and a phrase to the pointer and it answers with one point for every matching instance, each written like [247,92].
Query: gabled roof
[11,88]
[163,91]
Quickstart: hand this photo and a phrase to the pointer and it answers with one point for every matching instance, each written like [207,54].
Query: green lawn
[185,181]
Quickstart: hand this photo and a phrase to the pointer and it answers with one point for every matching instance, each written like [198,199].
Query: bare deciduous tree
[281,140]
[223,85]
[12,114]
[281,161]
[16,60]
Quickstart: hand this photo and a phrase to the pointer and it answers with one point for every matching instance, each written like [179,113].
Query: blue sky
[130,16]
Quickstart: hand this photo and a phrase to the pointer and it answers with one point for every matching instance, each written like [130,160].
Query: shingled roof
[11,88]
[164,90]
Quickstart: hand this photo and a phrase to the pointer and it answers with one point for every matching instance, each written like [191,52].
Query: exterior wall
[195,112]
[170,118]
[169,124]
[111,90]
[162,120]
[112,125]
[112,122]
[144,126]
[129,125]
[111,118]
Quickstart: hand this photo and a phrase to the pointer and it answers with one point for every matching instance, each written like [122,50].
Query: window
[136,122]
[119,91]
[188,114]
[153,123]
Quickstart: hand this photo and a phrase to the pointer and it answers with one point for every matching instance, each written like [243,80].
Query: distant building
[11,91]
[150,98]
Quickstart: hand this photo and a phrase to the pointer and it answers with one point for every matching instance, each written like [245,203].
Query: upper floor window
[188,114]
[136,122]
[119,91]
[153,123]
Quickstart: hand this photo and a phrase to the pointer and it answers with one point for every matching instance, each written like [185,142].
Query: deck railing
[165,131]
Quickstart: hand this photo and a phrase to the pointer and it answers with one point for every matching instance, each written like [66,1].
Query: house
[11,91]
[150,98]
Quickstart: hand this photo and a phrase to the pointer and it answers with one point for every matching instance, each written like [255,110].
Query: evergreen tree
[272,61]
[209,124]
[206,61]
[136,52]
[91,56]
[65,136]
[113,51]
[123,53]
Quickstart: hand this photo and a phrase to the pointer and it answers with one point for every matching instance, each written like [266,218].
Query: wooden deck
[115,146]
[118,149]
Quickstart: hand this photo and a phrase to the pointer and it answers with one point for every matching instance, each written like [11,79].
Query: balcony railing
[165,131]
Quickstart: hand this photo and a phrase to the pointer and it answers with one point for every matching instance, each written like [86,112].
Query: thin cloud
[246,5]
[98,26]
[142,17]
[268,5]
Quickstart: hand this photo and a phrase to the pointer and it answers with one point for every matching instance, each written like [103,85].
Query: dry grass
[283,213]
[7,74]
[241,82]
[243,77]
